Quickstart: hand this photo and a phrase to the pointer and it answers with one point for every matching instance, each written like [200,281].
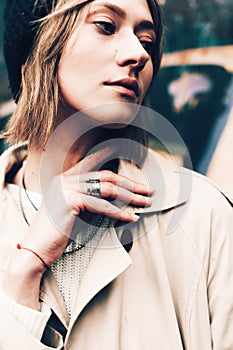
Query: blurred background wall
[194,89]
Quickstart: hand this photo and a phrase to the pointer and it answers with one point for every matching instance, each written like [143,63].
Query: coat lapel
[51,295]
[108,261]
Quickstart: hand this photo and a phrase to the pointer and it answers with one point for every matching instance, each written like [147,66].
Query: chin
[114,115]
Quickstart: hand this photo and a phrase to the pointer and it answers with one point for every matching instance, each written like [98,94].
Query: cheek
[148,76]
[79,60]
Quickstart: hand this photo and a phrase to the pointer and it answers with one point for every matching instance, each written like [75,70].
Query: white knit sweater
[69,270]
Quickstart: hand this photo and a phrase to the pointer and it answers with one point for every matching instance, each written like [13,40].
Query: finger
[116,179]
[102,206]
[109,190]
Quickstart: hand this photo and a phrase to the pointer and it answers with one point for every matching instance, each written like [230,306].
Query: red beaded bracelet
[19,246]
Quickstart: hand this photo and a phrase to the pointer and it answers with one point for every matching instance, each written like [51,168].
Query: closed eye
[107,28]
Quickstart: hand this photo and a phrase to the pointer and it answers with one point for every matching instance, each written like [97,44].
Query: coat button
[127,239]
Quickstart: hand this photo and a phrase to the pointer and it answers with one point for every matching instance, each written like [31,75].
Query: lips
[126,83]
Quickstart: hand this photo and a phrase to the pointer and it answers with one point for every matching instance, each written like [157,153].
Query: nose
[130,52]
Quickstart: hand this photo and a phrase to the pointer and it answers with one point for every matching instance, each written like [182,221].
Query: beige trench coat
[170,287]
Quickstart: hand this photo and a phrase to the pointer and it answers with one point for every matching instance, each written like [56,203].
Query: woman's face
[107,58]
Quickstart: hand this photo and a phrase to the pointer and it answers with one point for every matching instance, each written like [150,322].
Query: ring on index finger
[93,188]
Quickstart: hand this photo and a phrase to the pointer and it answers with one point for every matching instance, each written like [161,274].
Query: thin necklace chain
[26,192]
[80,245]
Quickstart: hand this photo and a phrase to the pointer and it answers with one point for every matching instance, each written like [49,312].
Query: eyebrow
[114,8]
[122,14]
[146,25]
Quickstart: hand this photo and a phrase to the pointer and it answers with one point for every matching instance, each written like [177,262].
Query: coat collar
[12,157]
[172,185]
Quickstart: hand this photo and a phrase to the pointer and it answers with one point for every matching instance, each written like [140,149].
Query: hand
[71,199]
[72,186]
[112,186]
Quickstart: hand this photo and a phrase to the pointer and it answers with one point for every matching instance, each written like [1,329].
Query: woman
[86,258]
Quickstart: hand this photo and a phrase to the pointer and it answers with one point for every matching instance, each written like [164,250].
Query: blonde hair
[35,116]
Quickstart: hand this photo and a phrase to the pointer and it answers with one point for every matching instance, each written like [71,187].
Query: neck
[55,159]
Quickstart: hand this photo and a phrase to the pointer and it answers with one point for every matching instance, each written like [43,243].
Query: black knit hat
[19,35]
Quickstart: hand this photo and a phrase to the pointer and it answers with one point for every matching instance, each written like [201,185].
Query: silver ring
[94,187]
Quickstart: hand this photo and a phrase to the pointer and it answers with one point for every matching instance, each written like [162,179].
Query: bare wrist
[23,278]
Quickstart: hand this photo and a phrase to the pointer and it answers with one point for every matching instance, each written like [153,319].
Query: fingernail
[135,217]
[148,200]
[145,188]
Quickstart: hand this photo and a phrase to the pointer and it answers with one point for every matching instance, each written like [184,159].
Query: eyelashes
[109,28]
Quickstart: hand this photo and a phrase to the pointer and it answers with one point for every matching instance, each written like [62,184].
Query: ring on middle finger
[93,188]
